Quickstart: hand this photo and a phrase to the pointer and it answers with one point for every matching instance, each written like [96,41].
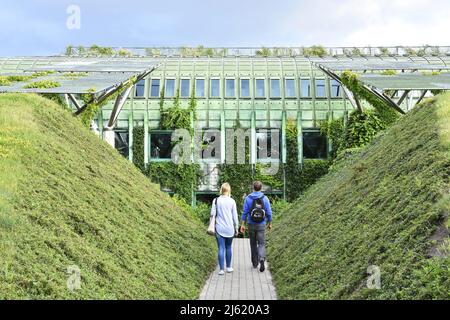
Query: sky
[46,27]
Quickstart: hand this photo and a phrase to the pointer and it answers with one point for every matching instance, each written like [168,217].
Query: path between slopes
[245,283]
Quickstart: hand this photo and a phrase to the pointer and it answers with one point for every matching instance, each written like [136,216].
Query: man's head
[257,186]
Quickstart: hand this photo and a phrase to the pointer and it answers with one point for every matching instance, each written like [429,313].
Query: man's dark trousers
[257,235]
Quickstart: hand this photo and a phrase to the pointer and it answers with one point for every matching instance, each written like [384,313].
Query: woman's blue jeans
[224,245]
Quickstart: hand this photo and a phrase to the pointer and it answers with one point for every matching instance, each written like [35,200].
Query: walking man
[258,215]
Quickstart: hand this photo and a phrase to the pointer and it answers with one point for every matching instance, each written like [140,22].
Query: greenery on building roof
[4,81]
[69,199]
[44,84]
[381,205]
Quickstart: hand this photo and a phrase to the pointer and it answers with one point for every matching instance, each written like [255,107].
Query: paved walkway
[245,283]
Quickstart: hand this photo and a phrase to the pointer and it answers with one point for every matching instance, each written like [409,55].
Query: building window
[200,88]
[206,198]
[215,88]
[245,88]
[335,89]
[170,88]
[230,91]
[260,88]
[210,144]
[289,89]
[268,144]
[305,88]
[320,88]
[160,145]
[155,89]
[275,88]
[185,88]
[121,142]
[140,89]
[314,145]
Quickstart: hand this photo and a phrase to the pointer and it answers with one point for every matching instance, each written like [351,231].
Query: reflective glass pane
[245,88]
[290,88]
[275,88]
[200,88]
[260,89]
[155,90]
[140,88]
[170,88]
[305,86]
[230,88]
[320,88]
[185,87]
[215,88]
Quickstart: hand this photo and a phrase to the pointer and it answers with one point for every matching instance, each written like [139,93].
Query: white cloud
[369,22]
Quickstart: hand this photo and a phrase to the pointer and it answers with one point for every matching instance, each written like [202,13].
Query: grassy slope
[380,207]
[66,198]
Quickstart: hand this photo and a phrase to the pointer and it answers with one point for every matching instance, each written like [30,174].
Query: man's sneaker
[221,273]
[230,270]
[255,266]
[262,267]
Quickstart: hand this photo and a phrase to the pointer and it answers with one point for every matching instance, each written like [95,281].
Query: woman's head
[225,189]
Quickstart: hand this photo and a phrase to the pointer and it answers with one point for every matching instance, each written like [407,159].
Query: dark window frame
[307,147]
[151,148]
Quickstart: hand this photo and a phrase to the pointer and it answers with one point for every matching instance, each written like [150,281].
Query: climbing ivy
[298,177]
[383,111]
[178,178]
[93,105]
[362,126]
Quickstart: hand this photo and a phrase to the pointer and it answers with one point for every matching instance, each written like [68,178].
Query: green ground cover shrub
[379,205]
[69,199]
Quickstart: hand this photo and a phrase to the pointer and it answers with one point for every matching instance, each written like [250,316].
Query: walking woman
[224,208]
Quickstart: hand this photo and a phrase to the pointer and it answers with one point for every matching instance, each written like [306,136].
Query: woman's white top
[226,216]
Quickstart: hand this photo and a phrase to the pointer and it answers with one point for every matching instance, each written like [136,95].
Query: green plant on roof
[75,75]
[19,78]
[69,50]
[42,73]
[264,52]
[124,53]
[389,73]
[431,73]
[44,84]
[315,51]
[4,81]
[384,51]
[410,52]
[102,51]
[357,52]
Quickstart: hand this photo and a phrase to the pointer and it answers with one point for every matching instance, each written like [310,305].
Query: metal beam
[73,100]
[403,97]
[393,94]
[424,92]
[118,105]
[111,90]
[386,99]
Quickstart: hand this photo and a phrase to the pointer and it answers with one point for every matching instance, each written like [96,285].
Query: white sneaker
[221,273]
[229,270]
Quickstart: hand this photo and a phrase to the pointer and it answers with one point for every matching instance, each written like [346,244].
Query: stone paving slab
[245,283]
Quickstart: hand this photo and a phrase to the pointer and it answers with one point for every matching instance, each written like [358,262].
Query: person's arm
[213,209]
[244,216]
[235,218]
[268,212]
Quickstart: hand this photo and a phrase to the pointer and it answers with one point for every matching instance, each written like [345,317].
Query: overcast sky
[39,27]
